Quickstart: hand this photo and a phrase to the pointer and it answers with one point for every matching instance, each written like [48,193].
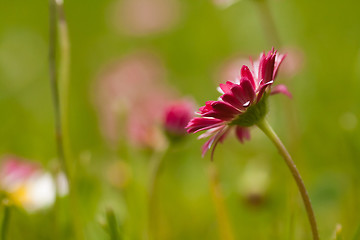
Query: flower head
[27,185]
[242,104]
[176,117]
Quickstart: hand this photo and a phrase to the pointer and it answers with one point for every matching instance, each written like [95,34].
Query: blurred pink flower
[27,184]
[295,61]
[177,115]
[13,170]
[144,17]
[231,68]
[242,103]
[131,97]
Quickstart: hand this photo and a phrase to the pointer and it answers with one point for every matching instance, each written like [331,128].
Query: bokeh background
[185,48]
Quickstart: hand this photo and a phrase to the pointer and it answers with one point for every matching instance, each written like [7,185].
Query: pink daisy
[176,117]
[242,104]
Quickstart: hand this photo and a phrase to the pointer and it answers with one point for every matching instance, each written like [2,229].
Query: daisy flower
[242,103]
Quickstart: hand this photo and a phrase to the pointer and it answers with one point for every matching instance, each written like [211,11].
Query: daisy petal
[223,107]
[278,60]
[246,73]
[199,124]
[242,134]
[281,89]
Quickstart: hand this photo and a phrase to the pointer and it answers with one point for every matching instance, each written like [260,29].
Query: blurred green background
[319,125]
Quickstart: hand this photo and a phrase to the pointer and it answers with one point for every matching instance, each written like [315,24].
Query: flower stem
[112,225]
[155,165]
[225,229]
[59,87]
[268,22]
[266,128]
[64,74]
[54,85]
[6,220]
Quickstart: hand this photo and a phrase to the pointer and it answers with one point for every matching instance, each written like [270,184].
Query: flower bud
[177,115]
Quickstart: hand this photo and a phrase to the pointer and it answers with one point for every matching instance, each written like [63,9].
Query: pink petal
[262,90]
[205,148]
[207,107]
[226,87]
[242,134]
[244,92]
[221,138]
[210,132]
[281,89]
[213,141]
[223,107]
[231,99]
[268,68]
[278,60]
[248,89]
[224,116]
[199,124]
[260,67]
[245,73]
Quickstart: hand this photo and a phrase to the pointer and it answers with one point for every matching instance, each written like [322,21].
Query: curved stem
[155,165]
[64,74]
[225,228]
[266,128]
[54,85]
[59,86]
[112,225]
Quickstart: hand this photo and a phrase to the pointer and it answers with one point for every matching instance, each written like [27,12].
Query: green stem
[112,225]
[268,22]
[54,85]
[156,164]
[64,74]
[225,228]
[266,128]
[59,87]
[5,221]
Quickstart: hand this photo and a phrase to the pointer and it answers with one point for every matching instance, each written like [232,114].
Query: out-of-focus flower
[242,104]
[254,183]
[224,3]
[131,97]
[119,174]
[230,68]
[144,17]
[176,117]
[27,185]
[295,61]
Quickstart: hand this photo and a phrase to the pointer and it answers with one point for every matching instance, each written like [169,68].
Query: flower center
[253,114]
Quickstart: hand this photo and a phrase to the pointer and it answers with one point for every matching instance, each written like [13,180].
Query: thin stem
[225,228]
[268,22]
[54,85]
[5,221]
[64,74]
[112,225]
[266,128]
[59,87]
[156,164]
